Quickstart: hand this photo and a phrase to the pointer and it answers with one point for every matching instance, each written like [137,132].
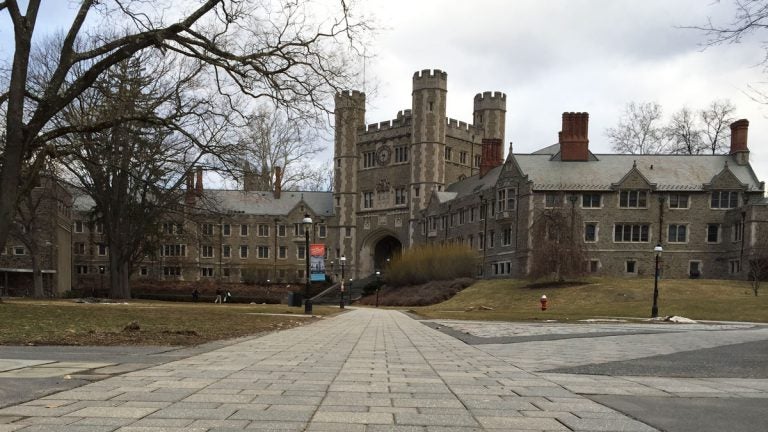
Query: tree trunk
[119,274]
[37,276]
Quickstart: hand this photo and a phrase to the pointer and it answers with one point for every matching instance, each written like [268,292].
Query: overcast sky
[551,56]
[565,55]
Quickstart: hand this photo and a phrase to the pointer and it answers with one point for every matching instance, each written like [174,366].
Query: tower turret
[430,88]
[349,119]
[490,110]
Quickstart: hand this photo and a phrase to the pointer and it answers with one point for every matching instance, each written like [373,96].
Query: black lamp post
[655,308]
[101,279]
[342,261]
[378,285]
[307,221]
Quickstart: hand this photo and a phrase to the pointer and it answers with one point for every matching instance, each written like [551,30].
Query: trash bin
[289,299]
[297,298]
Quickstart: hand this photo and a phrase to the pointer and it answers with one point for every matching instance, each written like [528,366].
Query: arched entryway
[385,249]
[375,249]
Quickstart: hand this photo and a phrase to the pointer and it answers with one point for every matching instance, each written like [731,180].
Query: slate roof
[264,203]
[256,203]
[667,172]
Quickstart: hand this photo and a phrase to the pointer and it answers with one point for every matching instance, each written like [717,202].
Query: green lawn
[64,322]
[696,299]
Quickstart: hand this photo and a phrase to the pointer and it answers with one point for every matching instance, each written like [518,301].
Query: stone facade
[425,178]
[41,238]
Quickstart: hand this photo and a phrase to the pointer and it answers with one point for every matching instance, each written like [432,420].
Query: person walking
[218,296]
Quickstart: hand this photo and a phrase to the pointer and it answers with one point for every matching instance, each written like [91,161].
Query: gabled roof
[667,172]
[254,203]
[264,203]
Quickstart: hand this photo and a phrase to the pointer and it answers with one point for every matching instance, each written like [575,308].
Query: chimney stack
[574,137]
[189,194]
[492,156]
[278,182]
[199,185]
[739,150]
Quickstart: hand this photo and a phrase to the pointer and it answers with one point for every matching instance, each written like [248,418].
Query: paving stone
[353,417]
[598,425]
[435,420]
[192,413]
[115,412]
[394,428]
[522,423]
[274,415]
[161,422]
[335,427]
[218,424]
[277,426]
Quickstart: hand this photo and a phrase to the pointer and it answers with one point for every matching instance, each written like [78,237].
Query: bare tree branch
[639,130]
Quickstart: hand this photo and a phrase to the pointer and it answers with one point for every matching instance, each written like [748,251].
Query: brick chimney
[739,150]
[278,182]
[189,194]
[199,184]
[574,137]
[492,156]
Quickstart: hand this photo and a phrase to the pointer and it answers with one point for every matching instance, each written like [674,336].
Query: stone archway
[376,249]
[385,249]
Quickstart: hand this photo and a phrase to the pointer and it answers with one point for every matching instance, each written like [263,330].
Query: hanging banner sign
[317,262]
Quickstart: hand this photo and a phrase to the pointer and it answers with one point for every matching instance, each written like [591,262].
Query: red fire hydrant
[543,301]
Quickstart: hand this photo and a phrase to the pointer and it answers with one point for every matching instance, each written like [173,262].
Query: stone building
[425,178]
[40,240]
[220,235]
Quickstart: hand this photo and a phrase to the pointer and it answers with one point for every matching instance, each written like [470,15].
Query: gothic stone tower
[430,90]
[386,172]
[350,118]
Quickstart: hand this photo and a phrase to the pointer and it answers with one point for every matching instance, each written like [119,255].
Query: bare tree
[319,178]
[639,130]
[716,119]
[278,50]
[273,138]
[35,224]
[559,252]
[751,16]
[134,170]
[756,257]
[683,133]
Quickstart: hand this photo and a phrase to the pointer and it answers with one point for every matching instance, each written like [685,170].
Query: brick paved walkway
[366,370]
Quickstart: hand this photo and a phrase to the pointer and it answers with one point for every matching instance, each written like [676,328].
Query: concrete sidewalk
[366,370]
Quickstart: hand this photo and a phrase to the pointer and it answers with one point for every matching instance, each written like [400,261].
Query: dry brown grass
[64,322]
[698,299]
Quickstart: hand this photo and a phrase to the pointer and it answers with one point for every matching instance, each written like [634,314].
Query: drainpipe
[484,208]
[661,219]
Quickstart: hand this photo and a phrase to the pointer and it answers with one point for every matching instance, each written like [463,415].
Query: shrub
[427,263]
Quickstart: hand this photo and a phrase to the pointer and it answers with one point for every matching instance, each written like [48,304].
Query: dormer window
[724,200]
[633,199]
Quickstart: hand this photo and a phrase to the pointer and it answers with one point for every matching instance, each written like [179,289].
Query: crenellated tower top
[490,101]
[430,79]
[349,99]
